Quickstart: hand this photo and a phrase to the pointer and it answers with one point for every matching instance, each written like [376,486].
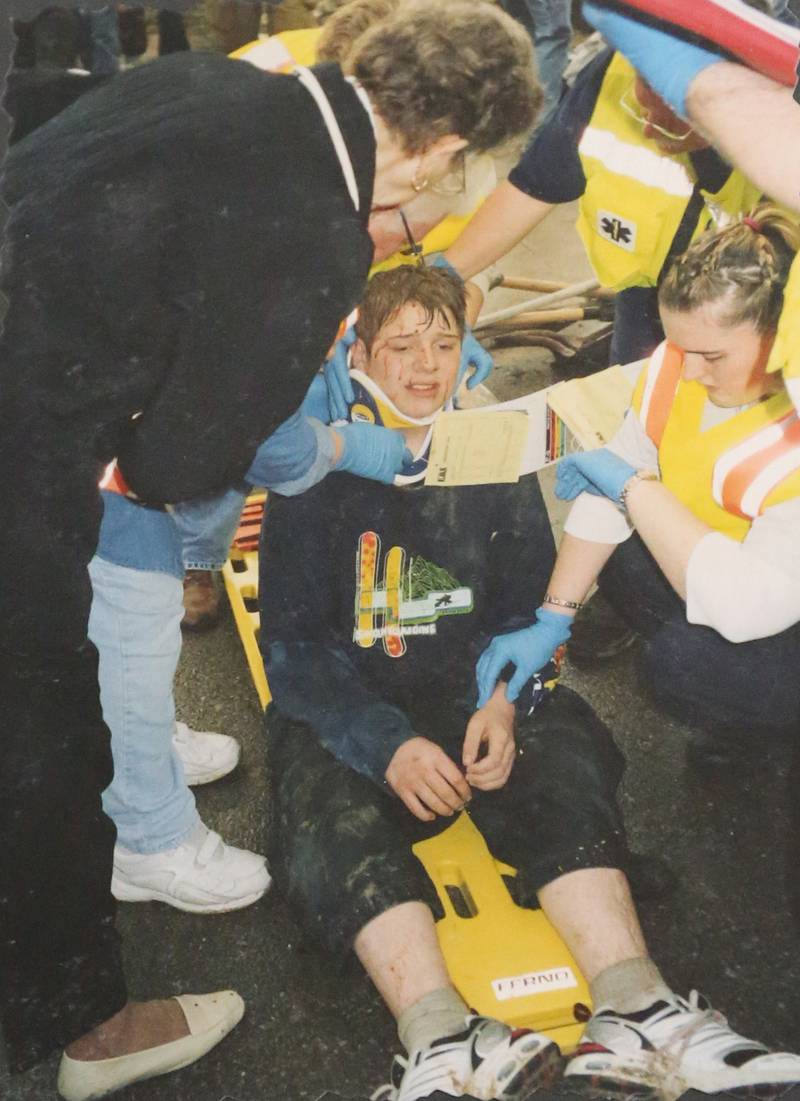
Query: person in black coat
[181,248]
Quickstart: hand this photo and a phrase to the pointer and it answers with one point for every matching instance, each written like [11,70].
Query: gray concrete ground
[728,929]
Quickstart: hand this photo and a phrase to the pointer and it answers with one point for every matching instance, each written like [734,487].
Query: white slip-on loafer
[205,756]
[210,1018]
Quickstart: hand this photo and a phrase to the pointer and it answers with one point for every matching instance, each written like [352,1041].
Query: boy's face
[414,359]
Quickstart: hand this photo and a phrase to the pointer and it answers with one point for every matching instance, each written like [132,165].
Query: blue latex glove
[439,260]
[668,64]
[600,472]
[316,402]
[337,377]
[372,451]
[474,355]
[529,650]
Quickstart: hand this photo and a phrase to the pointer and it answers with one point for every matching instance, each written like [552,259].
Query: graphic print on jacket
[394,600]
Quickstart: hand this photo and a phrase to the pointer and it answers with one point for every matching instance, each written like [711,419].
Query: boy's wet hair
[439,293]
[744,267]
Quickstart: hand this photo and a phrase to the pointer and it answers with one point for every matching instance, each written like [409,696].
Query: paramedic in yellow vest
[692,512]
[436,216]
[751,119]
[647,185]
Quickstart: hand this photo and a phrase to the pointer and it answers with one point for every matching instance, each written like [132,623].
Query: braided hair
[744,266]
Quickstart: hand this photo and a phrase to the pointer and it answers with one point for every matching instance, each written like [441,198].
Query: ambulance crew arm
[751,589]
[596,518]
[753,121]
[731,104]
[505,218]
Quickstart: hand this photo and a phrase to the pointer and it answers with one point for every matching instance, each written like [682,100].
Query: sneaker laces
[667,1057]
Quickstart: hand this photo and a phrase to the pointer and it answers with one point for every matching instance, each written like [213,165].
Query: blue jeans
[135,625]
[549,23]
[207,526]
[104,34]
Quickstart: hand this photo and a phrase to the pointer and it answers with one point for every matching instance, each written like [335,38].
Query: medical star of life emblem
[617,230]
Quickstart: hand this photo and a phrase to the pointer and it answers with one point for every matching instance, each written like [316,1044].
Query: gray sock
[440,1013]
[629,986]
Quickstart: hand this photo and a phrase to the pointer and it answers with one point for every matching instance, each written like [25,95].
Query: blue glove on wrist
[600,472]
[337,377]
[316,402]
[474,355]
[668,64]
[372,451]
[528,650]
[439,260]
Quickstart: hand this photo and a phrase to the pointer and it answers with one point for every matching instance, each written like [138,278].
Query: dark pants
[59,953]
[340,847]
[693,671]
[637,325]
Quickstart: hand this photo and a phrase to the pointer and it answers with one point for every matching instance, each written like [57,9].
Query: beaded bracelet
[559,603]
[639,476]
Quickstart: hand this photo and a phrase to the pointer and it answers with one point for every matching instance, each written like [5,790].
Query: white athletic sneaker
[205,756]
[488,1060]
[203,875]
[675,1045]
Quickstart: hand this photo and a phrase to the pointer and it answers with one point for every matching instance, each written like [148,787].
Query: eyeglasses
[630,109]
[453,182]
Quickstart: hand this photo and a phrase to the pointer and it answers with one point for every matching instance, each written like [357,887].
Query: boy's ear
[358,356]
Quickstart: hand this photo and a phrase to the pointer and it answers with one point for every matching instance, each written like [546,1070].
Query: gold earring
[419,185]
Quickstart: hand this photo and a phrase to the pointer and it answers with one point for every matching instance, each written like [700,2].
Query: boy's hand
[427,781]
[492,726]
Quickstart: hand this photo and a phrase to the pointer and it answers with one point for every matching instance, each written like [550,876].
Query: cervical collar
[374,407]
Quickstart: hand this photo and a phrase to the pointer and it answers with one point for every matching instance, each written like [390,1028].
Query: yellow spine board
[505,961]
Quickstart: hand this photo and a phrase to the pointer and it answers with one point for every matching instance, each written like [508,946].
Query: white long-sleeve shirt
[744,590]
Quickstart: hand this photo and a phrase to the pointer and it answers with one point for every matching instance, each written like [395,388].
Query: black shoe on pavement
[598,634]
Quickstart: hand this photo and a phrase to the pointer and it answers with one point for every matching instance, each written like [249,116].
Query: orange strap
[662,395]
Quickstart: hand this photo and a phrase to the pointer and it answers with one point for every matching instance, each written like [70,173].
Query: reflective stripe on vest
[644,165]
[746,474]
[661,378]
[739,474]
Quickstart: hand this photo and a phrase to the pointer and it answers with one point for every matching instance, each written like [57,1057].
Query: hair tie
[756,226]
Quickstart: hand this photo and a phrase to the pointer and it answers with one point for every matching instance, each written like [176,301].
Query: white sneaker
[205,756]
[488,1061]
[203,875]
[676,1045]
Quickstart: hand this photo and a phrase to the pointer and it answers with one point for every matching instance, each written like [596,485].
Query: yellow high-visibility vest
[636,196]
[726,475]
[785,354]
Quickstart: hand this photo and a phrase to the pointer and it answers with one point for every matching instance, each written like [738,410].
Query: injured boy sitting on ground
[370,638]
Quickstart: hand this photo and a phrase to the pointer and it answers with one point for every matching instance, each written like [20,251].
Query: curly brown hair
[745,266]
[348,23]
[435,289]
[453,67]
